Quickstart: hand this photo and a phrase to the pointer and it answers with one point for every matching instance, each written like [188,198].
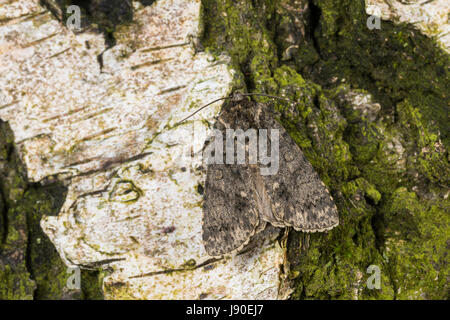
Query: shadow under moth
[241,197]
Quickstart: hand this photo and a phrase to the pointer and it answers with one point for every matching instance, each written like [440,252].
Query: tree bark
[95,155]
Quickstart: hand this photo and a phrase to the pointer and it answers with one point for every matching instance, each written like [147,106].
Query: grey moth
[243,195]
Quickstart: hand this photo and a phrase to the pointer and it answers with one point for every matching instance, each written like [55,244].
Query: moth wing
[230,216]
[297,195]
[230,210]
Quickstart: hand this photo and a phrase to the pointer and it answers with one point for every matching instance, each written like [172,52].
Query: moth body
[242,195]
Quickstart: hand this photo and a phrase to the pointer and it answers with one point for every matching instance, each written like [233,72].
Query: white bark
[132,187]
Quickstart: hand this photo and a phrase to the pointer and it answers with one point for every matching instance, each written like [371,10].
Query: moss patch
[30,267]
[372,118]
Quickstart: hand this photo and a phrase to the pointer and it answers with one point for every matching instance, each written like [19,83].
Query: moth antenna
[198,110]
[236,96]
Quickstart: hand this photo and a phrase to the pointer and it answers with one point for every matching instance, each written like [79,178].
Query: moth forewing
[269,164]
[245,191]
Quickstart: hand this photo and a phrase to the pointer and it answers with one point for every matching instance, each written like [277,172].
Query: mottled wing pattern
[230,216]
[297,195]
[230,211]
[239,201]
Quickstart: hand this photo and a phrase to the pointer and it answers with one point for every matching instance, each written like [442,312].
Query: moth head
[236,96]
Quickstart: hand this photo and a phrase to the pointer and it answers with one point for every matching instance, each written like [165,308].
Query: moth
[240,198]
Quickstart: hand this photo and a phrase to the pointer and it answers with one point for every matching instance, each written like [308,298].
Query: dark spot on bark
[167,230]
[200,189]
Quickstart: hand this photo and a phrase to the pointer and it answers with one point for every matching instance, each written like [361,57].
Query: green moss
[394,63]
[48,271]
[432,161]
[3,225]
[15,284]
[416,243]
[369,189]
[92,284]
[369,153]
[15,278]
[119,291]
[238,30]
[30,267]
